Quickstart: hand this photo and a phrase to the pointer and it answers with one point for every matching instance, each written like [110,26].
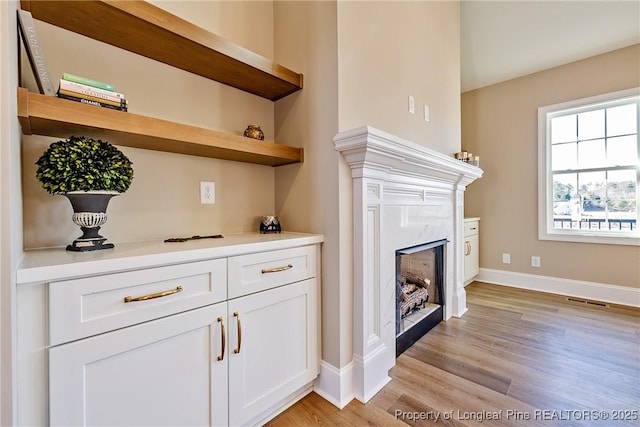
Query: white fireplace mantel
[404,194]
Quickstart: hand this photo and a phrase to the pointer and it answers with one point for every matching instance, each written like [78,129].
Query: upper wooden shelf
[143,28]
[52,116]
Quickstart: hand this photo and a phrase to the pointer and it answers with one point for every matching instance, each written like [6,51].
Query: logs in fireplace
[413,292]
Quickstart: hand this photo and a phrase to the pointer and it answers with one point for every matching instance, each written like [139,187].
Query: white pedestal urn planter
[89,213]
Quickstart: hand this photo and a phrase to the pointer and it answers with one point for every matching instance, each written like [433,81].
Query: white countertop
[58,263]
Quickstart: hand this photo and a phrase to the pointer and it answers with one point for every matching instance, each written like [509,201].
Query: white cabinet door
[272,348]
[471,259]
[160,373]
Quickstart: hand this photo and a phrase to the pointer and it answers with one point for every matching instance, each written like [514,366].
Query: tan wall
[360,62]
[164,200]
[499,123]
[389,50]
[307,196]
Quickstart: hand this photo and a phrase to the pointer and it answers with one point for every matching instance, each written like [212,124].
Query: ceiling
[501,40]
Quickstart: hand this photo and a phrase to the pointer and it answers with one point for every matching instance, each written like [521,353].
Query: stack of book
[91,92]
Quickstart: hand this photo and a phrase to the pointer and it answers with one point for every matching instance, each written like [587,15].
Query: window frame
[546,229]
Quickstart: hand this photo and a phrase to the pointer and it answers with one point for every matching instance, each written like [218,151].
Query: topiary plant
[79,163]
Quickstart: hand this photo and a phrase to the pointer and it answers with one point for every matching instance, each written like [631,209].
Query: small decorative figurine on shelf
[270,224]
[254,131]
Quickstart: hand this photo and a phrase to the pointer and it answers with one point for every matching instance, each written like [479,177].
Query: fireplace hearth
[419,291]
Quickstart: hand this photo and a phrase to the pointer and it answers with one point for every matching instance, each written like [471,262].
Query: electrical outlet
[535,261]
[412,105]
[207,193]
[506,258]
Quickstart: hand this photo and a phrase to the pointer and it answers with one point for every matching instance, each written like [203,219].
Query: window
[588,170]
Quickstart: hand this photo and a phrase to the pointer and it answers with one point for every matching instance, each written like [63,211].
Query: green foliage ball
[83,164]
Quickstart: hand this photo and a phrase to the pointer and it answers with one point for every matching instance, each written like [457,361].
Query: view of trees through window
[594,164]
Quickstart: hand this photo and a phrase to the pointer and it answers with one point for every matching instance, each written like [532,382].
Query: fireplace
[419,291]
[404,195]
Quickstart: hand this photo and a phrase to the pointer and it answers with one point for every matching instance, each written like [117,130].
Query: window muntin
[589,170]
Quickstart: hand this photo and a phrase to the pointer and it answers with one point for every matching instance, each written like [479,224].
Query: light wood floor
[514,354]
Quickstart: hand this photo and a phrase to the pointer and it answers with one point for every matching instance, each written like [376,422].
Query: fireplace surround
[404,194]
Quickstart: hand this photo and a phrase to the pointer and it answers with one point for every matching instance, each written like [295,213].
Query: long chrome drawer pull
[223,338]
[152,296]
[237,316]
[277,269]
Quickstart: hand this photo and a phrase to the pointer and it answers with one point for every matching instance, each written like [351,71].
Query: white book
[34,52]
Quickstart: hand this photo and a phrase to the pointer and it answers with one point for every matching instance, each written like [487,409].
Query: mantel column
[459,297]
[370,354]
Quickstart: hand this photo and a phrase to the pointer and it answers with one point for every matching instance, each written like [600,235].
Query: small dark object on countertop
[184,239]
[270,224]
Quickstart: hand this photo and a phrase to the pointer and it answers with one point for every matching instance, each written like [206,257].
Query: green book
[88,82]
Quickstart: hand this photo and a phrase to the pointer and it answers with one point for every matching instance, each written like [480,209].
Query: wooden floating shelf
[52,116]
[148,30]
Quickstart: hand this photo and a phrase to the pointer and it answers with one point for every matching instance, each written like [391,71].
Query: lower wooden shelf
[52,116]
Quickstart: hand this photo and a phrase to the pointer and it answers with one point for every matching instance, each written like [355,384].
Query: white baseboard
[604,292]
[334,384]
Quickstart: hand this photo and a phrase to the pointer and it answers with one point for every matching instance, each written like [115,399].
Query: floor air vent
[588,302]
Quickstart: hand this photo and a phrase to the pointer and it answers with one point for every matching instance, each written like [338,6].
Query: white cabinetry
[163,372]
[273,338]
[168,344]
[471,249]
[276,352]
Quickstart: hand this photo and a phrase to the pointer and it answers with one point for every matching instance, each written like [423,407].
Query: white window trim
[546,230]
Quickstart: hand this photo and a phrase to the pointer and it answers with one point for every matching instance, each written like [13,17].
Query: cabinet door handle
[277,269]
[223,338]
[152,296]
[237,316]
[467,248]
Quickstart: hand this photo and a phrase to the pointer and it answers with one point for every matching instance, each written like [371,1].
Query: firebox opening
[419,291]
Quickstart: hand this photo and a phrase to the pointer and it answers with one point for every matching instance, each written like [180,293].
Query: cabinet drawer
[471,227]
[265,270]
[83,307]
